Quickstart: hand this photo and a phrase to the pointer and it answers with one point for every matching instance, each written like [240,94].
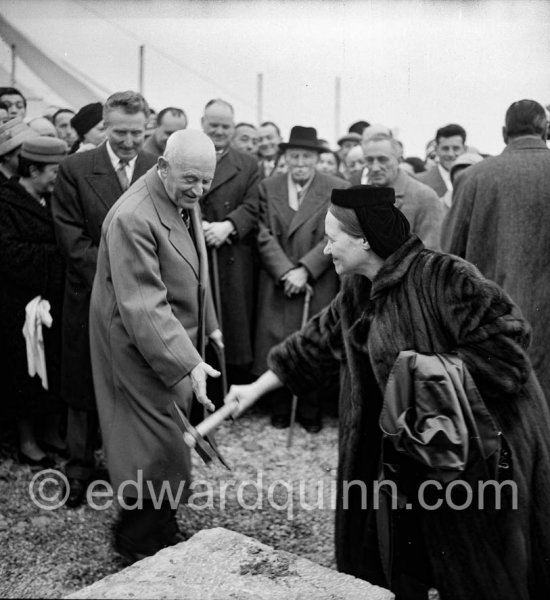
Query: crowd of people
[132,245]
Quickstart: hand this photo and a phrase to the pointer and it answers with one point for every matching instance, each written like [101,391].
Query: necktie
[186,217]
[121,174]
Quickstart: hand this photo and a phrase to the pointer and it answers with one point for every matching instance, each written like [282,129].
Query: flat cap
[12,134]
[350,137]
[44,149]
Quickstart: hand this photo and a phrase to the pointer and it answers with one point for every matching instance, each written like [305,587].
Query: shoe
[280,421]
[45,462]
[311,425]
[62,452]
[77,492]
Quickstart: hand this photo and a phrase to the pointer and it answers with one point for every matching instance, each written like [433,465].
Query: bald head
[187,166]
[218,123]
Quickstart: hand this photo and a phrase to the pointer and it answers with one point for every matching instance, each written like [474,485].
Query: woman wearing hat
[88,124]
[396,296]
[31,266]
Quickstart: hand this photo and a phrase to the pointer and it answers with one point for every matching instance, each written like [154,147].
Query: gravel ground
[51,553]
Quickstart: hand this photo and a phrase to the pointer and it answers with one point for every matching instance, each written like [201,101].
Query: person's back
[500,222]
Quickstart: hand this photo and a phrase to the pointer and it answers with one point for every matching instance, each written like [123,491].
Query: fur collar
[396,266]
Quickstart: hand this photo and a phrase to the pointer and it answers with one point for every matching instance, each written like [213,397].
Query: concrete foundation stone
[218,564]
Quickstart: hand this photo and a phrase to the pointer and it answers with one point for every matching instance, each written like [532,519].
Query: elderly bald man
[149,316]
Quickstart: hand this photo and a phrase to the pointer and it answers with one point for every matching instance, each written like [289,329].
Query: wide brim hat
[12,134]
[350,137]
[302,137]
[46,150]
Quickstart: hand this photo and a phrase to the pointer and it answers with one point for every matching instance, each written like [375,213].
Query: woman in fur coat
[396,295]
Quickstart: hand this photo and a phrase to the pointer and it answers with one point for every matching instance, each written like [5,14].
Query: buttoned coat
[232,196]
[433,303]
[30,265]
[86,188]
[432,178]
[500,222]
[287,239]
[150,312]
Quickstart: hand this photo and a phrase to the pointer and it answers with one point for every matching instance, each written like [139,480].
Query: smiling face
[125,132]
[245,139]
[218,125]
[268,142]
[186,184]
[448,149]
[347,252]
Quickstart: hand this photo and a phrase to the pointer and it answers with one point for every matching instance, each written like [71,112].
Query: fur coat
[431,302]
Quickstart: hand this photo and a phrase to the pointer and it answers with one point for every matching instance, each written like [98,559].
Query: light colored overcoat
[287,239]
[148,303]
[500,222]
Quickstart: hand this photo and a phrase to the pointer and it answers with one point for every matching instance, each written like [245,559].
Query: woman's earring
[365,245]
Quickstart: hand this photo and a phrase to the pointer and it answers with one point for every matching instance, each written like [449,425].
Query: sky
[413,65]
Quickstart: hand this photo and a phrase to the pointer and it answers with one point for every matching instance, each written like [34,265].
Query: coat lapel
[226,169]
[278,202]
[24,201]
[103,179]
[311,204]
[169,216]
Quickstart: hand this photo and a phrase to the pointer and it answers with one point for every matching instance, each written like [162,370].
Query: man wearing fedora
[12,135]
[290,242]
[89,183]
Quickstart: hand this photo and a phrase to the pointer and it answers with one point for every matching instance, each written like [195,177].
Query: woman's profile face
[347,252]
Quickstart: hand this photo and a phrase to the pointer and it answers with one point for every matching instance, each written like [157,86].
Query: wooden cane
[305,314]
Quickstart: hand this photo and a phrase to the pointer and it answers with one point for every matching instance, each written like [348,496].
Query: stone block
[218,564]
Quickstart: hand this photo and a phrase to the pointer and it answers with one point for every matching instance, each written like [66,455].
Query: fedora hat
[302,137]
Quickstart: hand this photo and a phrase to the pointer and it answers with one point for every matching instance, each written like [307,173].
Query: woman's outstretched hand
[246,395]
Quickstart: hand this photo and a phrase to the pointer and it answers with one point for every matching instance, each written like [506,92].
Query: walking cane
[220,352]
[305,314]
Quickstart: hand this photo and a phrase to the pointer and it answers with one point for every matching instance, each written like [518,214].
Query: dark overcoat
[287,239]
[500,222]
[148,309]
[86,188]
[30,265]
[431,302]
[232,196]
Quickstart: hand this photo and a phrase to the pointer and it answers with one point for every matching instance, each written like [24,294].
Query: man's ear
[162,164]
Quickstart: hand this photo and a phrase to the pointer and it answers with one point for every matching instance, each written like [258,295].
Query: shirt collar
[446,176]
[115,160]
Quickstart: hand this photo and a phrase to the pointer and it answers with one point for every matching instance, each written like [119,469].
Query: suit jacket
[287,239]
[421,206]
[499,221]
[232,196]
[150,311]
[86,188]
[432,177]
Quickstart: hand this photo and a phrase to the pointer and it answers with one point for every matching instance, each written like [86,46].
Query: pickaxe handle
[211,422]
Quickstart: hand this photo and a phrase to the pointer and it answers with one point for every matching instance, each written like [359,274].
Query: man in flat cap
[88,185]
[150,314]
[291,239]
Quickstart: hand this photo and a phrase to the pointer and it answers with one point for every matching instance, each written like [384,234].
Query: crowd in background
[263,222]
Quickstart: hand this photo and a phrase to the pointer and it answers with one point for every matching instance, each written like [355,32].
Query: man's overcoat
[431,302]
[500,222]
[86,188]
[148,302]
[287,239]
[233,196]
